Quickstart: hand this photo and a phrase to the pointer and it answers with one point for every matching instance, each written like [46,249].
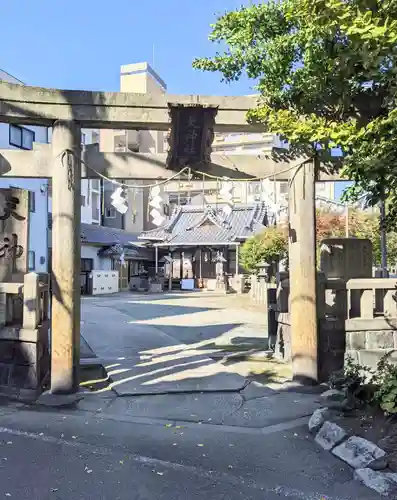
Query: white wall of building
[100,263]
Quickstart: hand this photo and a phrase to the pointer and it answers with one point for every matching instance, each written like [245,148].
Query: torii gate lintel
[67,112]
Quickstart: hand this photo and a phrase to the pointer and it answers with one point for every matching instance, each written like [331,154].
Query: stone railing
[24,326]
[357,317]
[259,290]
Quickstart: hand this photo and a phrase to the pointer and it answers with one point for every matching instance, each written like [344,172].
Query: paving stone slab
[330,435]
[255,390]
[208,408]
[384,483]
[167,374]
[273,408]
[358,452]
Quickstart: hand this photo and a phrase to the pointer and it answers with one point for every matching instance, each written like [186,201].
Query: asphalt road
[77,455]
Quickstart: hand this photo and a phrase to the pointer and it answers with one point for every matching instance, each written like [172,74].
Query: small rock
[317,419]
[379,464]
[333,395]
[384,483]
[330,435]
[343,405]
[358,452]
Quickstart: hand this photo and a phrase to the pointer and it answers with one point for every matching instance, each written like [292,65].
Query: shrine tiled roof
[131,253]
[193,224]
[100,235]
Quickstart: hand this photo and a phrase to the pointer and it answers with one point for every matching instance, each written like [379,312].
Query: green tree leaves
[326,72]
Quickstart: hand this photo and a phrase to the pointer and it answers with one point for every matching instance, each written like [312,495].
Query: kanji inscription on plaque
[14,233]
[191,135]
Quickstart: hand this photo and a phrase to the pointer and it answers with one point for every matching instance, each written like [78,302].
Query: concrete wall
[100,263]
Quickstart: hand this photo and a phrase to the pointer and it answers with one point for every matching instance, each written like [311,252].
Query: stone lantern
[263,271]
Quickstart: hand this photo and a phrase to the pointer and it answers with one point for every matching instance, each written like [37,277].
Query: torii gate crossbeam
[69,111]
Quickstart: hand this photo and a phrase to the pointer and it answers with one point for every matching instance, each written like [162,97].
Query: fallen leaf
[168,425]
[160,473]
[9,442]
[200,445]
[121,462]
[231,445]
[179,427]
[8,494]
[174,444]
[53,490]
[230,466]
[74,437]
[41,434]
[88,471]
[210,419]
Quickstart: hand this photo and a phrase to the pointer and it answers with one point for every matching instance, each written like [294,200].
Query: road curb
[368,461]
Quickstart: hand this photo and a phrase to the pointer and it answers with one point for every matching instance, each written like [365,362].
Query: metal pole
[383,239]
[156,250]
[236,259]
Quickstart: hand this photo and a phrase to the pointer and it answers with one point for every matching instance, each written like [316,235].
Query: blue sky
[81,44]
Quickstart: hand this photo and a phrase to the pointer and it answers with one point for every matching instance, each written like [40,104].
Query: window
[82,202]
[86,265]
[95,184]
[283,187]
[95,206]
[133,268]
[21,137]
[110,213]
[254,188]
[82,139]
[31,260]
[320,186]
[32,201]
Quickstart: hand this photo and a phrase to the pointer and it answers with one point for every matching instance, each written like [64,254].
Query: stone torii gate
[64,162]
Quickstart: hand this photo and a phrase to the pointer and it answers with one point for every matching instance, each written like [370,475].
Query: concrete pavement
[222,435]
[162,343]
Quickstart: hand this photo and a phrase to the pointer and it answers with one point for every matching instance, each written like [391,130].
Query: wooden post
[66,210]
[302,264]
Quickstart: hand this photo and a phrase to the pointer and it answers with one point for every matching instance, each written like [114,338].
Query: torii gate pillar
[66,212]
[302,269]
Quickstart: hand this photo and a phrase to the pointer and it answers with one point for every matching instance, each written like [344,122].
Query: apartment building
[142,79]
[24,137]
[243,192]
